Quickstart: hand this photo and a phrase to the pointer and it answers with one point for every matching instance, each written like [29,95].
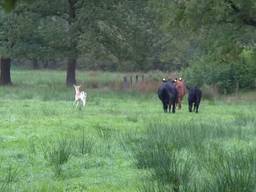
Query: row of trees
[211,41]
[69,29]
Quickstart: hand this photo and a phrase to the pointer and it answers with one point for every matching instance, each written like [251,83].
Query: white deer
[80,96]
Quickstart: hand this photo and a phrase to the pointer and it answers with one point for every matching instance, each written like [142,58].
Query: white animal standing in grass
[80,96]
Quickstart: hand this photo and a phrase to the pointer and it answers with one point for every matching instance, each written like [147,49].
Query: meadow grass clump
[58,153]
[232,170]
[187,135]
[148,186]
[244,118]
[132,118]
[170,166]
[104,131]
[48,111]
[32,144]
[84,144]
[10,177]
[173,153]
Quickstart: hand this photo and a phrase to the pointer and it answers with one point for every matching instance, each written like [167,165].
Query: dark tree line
[210,42]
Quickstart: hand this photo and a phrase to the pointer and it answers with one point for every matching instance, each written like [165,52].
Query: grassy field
[122,140]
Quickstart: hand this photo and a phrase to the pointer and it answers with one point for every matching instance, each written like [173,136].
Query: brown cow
[181,88]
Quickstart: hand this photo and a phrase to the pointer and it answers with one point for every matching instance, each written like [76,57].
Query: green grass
[121,140]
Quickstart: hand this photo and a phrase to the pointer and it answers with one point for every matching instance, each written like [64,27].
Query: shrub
[227,76]
[209,92]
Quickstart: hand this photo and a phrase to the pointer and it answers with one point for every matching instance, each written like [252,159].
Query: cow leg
[190,105]
[197,103]
[165,106]
[179,103]
[173,107]
[197,106]
[194,107]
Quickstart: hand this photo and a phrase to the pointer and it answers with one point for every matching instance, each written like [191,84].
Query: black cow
[194,97]
[168,94]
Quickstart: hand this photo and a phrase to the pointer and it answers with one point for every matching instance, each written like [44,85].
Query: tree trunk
[5,78]
[72,59]
[71,72]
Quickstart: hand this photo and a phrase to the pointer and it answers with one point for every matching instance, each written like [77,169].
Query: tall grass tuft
[57,154]
[133,118]
[169,166]
[190,135]
[84,144]
[104,131]
[11,176]
[232,170]
[177,154]
[242,119]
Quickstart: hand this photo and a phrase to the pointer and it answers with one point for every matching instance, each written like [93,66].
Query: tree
[6,44]
[125,32]
[5,78]
[8,5]
[72,59]
[6,40]
[217,30]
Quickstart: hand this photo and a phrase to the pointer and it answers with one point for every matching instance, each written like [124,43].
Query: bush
[209,92]
[226,76]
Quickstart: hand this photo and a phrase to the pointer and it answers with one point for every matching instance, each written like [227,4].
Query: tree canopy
[209,41]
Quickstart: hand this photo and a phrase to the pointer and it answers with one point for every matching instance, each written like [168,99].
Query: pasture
[121,140]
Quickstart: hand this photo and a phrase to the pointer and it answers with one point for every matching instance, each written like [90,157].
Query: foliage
[210,42]
[217,33]
[223,75]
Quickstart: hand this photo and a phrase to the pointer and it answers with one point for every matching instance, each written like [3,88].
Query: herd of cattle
[171,93]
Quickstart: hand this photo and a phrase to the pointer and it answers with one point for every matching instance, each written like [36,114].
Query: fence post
[125,83]
[136,78]
[131,80]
